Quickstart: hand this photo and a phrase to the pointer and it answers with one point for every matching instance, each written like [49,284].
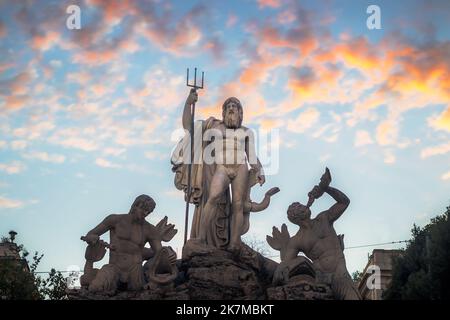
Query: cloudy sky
[88,117]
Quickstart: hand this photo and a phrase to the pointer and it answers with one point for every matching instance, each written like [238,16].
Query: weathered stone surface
[317,240]
[179,293]
[301,288]
[129,234]
[223,208]
[220,274]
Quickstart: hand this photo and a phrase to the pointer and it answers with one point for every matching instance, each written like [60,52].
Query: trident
[189,190]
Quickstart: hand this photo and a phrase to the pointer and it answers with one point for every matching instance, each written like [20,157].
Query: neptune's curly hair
[239,105]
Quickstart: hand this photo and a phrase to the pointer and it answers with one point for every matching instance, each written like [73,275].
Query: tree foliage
[257,245]
[357,276]
[19,279]
[16,282]
[423,270]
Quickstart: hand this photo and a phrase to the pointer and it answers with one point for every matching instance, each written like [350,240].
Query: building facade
[377,274]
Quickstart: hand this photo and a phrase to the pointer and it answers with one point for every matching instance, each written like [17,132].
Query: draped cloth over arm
[218,233]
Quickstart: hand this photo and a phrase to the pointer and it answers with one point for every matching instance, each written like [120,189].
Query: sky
[89,117]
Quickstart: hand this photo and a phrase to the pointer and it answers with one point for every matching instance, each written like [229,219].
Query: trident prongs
[195,86]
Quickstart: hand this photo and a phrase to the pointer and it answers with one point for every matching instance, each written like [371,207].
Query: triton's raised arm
[342,202]
[187,116]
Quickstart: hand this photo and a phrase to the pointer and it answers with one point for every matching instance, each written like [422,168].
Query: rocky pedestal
[301,288]
[155,294]
[218,274]
[213,274]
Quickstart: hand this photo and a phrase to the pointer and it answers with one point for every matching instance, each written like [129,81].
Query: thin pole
[189,190]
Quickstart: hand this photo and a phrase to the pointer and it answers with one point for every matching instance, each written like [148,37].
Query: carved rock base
[301,288]
[153,294]
[219,274]
[225,275]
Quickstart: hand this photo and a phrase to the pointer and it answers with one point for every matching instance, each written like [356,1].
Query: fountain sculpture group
[217,175]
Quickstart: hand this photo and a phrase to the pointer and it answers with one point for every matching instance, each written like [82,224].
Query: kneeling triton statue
[129,234]
[318,240]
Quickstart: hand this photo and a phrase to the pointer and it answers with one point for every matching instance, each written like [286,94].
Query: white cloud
[106,164]
[387,132]
[81,78]
[324,158]
[323,128]
[6,203]
[113,151]
[166,97]
[332,138]
[362,138]
[304,121]
[80,175]
[389,157]
[77,143]
[34,131]
[44,156]
[446,176]
[19,144]
[435,150]
[13,167]
[56,63]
